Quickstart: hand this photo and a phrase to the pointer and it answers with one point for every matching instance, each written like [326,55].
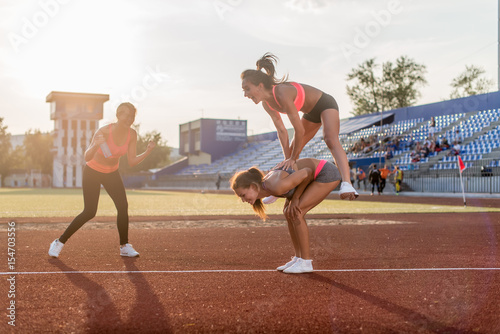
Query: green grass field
[69,202]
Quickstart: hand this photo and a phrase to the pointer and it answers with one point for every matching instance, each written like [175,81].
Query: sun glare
[86,47]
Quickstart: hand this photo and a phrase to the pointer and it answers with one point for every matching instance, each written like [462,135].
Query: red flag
[461,165]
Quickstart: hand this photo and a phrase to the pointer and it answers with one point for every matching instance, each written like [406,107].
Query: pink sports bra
[299,99]
[116,152]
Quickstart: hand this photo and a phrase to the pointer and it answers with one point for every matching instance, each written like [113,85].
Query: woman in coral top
[102,156]
[279,96]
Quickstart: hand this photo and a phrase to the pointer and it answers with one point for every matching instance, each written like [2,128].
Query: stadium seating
[480,134]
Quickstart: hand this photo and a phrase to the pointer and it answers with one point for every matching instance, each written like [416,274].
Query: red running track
[429,274]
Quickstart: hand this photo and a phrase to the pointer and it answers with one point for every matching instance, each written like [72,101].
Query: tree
[366,95]
[159,157]
[38,146]
[401,81]
[395,86]
[5,149]
[470,83]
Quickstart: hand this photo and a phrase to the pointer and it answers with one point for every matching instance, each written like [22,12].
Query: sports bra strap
[299,99]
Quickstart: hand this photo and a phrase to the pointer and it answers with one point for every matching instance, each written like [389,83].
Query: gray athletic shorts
[329,173]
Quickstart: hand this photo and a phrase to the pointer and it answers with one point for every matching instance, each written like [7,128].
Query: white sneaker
[346,190]
[299,267]
[128,250]
[269,199]
[288,264]
[55,248]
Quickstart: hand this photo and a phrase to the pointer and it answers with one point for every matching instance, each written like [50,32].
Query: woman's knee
[88,213]
[122,205]
[332,141]
[286,213]
[122,210]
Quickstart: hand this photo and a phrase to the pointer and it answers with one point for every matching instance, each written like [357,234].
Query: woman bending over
[304,185]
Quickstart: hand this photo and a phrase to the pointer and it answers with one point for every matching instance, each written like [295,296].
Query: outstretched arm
[132,157]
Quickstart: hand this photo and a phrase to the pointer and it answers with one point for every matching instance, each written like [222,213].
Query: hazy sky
[181,60]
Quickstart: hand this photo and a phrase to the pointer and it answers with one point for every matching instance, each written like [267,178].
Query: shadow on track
[147,314]
[417,319]
[102,315]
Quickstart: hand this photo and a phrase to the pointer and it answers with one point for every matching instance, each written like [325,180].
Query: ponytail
[267,63]
[244,179]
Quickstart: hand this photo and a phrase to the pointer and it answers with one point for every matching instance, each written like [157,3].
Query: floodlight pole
[380,137]
[498,54]
[380,132]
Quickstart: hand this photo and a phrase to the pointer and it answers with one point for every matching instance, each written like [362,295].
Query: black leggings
[91,184]
[382,185]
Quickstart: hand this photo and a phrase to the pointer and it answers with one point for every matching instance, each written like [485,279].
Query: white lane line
[231,271]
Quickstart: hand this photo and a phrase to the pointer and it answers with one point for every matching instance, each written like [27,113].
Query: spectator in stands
[425,150]
[458,137]
[304,186]
[102,157]
[363,143]
[395,143]
[280,96]
[357,147]
[389,153]
[444,145]
[361,176]
[384,172]
[455,150]
[374,179]
[432,127]
[437,146]
[415,155]
[432,146]
[367,145]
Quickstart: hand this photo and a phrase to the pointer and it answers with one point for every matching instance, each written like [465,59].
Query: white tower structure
[76,117]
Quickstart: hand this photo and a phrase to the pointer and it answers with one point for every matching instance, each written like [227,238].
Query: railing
[478,178]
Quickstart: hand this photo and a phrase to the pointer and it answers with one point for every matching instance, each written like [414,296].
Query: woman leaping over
[280,96]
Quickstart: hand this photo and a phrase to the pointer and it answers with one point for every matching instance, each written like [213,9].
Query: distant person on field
[398,178]
[361,176]
[304,186]
[384,172]
[352,172]
[374,179]
[102,156]
[218,181]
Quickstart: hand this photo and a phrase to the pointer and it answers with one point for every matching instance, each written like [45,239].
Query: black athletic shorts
[326,101]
